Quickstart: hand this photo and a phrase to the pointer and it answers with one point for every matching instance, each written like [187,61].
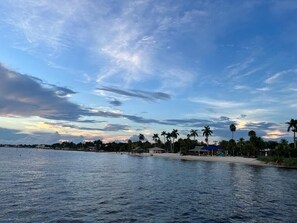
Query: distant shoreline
[227,159]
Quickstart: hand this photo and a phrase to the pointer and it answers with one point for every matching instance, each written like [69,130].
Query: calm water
[59,186]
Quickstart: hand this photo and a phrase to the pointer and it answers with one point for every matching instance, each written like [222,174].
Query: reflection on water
[59,186]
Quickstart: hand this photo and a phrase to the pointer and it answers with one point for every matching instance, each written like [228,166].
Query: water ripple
[57,186]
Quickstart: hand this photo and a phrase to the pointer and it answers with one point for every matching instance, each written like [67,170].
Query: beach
[228,159]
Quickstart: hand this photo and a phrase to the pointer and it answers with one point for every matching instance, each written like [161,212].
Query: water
[60,186]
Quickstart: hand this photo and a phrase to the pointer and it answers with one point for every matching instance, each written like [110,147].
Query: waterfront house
[156,150]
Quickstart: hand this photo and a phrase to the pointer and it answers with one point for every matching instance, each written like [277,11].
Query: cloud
[272,79]
[142,120]
[35,20]
[188,122]
[115,102]
[217,103]
[10,134]
[13,136]
[23,95]
[73,126]
[145,95]
[108,127]
[237,69]
[115,127]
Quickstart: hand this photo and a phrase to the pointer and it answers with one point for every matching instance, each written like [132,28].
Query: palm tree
[241,141]
[206,132]
[163,134]
[194,133]
[141,137]
[232,129]
[168,137]
[252,134]
[293,125]
[155,138]
[174,135]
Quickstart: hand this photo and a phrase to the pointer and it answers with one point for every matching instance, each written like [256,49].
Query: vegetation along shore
[254,151]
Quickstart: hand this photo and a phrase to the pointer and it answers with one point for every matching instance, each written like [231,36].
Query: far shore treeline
[268,151]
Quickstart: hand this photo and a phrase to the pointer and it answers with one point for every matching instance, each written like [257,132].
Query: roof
[211,147]
[204,148]
[196,149]
[156,149]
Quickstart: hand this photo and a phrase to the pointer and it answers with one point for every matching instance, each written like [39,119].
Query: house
[156,150]
[204,150]
[198,151]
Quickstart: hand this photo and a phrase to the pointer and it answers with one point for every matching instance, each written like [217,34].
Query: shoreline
[226,159]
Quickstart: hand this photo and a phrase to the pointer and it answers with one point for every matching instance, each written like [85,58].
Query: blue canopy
[211,147]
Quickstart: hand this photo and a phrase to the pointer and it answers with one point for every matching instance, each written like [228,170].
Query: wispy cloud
[217,103]
[145,95]
[240,68]
[108,127]
[273,78]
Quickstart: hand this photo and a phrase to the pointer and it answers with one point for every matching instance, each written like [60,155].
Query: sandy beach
[228,159]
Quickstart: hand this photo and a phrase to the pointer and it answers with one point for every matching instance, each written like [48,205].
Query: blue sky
[85,70]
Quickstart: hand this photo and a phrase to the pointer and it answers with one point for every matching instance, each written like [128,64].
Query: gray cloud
[23,95]
[192,122]
[145,95]
[115,127]
[26,96]
[10,134]
[13,136]
[116,102]
[108,127]
[142,120]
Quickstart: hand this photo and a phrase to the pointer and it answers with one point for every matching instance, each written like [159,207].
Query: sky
[110,69]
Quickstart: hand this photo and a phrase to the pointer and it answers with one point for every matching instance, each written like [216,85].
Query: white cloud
[237,69]
[217,103]
[272,79]
[263,89]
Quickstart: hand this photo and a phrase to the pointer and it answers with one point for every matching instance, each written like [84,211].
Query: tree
[174,135]
[193,133]
[206,132]
[141,137]
[252,134]
[293,125]
[231,146]
[168,137]
[232,129]
[156,138]
[241,142]
[164,134]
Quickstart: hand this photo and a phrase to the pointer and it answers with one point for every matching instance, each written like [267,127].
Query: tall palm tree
[293,125]
[252,134]
[168,137]
[174,135]
[141,137]
[232,129]
[206,132]
[163,134]
[194,133]
[156,138]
